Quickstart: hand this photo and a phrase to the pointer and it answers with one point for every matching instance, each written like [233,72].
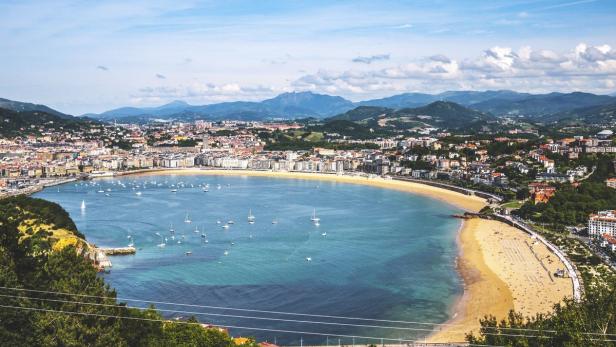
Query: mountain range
[308,104]
[541,107]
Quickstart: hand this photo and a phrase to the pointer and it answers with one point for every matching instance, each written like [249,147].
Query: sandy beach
[503,268]
[465,202]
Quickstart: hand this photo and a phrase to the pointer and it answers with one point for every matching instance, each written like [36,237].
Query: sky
[91,56]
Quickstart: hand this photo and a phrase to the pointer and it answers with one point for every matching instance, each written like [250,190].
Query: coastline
[490,286]
[502,268]
[469,203]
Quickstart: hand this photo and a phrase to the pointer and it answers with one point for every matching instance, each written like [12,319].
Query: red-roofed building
[541,192]
[609,241]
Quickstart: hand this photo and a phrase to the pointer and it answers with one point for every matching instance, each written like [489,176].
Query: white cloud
[371,59]
[201,92]
[585,67]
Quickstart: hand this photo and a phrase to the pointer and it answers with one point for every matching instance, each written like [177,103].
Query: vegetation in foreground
[40,319]
[591,322]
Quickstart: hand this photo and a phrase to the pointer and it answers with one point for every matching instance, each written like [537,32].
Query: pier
[100,256]
[119,251]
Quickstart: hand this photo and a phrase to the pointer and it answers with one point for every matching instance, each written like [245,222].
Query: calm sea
[377,254]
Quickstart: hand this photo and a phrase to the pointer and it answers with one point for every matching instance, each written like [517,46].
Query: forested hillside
[32,313]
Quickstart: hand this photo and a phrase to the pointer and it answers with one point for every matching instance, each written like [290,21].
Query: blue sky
[89,56]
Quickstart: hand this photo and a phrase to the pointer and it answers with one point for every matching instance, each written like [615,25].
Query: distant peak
[177,103]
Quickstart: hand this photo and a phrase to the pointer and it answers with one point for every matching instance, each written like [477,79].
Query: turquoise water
[386,255]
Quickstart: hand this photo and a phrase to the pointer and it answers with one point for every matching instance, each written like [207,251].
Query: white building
[604,222]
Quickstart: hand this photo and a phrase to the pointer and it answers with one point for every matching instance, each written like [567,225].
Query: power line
[267,312]
[253,328]
[221,326]
[229,315]
[266,318]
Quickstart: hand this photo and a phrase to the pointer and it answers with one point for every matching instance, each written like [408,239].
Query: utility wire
[268,312]
[221,326]
[259,329]
[229,315]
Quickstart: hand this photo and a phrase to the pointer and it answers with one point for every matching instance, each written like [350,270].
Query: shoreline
[469,203]
[487,287]
[503,268]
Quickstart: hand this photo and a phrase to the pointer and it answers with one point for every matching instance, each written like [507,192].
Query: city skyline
[91,57]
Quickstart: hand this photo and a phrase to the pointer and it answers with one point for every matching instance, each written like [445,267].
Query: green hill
[441,114]
[604,114]
[21,123]
[91,316]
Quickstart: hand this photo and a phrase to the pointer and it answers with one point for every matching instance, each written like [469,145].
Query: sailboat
[83,205]
[196,229]
[251,218]
[187,219]
[314,218]
[171,230]
[274,221]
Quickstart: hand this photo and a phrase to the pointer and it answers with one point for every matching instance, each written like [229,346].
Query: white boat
[205,190]
[230,222]
[196,229]
[187,219]
[316,224]
[226,253]
[226,226]
[308,259]
[174,190]
[138,193]
[171,230]
[83,204]
[218,222]
[188,253]
[274,221]
[314,217]
[161,245]
[324,234]
[131,244]
[101,191]
[251,218]
[218,186]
